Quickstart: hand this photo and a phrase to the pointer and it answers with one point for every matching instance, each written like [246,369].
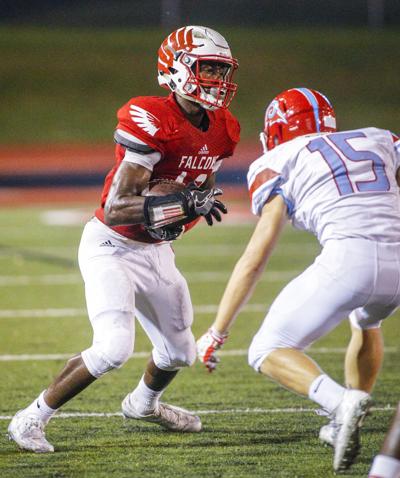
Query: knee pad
[176,359]
[261,347]
[256,356]
[112,342]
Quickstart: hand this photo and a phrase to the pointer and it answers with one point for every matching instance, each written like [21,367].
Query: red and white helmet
[179,59]
[296,112]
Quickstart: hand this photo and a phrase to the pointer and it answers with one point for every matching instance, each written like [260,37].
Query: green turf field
[252,428]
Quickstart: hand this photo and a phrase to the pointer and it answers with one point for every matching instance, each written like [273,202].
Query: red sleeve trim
[261,178]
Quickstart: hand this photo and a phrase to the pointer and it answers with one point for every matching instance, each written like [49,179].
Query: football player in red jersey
[125,255]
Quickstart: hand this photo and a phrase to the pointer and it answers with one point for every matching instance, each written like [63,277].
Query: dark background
[171,13]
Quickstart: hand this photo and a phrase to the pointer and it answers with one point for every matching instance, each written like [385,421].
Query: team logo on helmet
[179,40]
[144,119]
[274,114]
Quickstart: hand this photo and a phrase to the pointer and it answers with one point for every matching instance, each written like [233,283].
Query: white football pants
[126,279]
[353,277]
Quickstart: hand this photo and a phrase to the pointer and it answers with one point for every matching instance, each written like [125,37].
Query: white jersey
[335,185]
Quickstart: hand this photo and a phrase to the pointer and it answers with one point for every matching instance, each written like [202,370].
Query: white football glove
[207,347]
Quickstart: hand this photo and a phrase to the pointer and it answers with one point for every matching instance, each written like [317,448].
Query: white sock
[326,392]
[145,398]
[40,408]
[385,466]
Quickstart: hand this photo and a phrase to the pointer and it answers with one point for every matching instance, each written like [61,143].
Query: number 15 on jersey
[338,154]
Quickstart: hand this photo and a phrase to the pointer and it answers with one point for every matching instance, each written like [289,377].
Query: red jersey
[184,153]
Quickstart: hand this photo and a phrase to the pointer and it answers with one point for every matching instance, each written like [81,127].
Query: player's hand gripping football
[207,347]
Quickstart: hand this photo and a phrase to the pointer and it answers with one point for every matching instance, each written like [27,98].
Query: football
[164,186]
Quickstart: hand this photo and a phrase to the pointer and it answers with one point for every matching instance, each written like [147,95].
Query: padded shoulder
[145,118]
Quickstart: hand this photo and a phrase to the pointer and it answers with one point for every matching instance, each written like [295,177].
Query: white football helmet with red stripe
[296,112]
[179,61]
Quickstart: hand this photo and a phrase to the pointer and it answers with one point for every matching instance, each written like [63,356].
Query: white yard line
[47,279]
[387,408]
[62,279]
[221,276]
[184,250]
[40,313]
[229,249]
[39,357]
[139,355]
[79,312]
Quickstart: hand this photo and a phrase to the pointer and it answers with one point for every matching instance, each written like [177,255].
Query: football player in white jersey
[344,188]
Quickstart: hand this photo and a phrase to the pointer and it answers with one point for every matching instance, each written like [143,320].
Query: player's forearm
[252,263]
[125,202]
[125,210]
[240,286]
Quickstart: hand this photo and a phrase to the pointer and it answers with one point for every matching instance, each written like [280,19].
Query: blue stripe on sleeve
[289,204]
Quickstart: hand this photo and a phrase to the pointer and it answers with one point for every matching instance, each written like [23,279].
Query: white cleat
[349,417]
[168,416]
[328,432]
[27,430]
